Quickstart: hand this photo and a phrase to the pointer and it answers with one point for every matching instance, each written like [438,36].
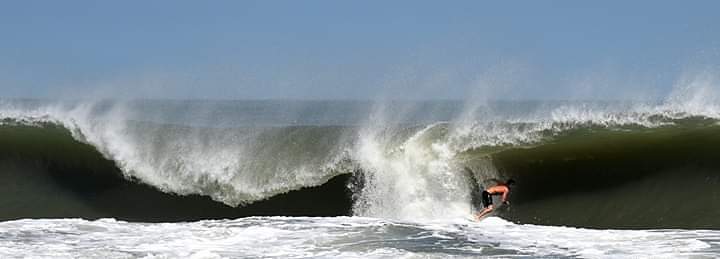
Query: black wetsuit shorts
[486,199]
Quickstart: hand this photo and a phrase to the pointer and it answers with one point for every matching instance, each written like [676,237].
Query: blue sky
[353,50]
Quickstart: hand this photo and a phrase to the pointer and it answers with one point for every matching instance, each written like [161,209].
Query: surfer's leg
[484,212]
[487,204]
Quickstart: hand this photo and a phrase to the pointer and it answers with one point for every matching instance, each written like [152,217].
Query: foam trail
[341,237]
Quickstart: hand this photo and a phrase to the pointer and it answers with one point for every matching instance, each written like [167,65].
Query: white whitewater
[341,237]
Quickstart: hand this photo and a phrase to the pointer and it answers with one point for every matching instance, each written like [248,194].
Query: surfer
[499,189]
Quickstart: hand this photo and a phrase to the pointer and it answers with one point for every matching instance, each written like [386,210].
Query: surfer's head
[510,182]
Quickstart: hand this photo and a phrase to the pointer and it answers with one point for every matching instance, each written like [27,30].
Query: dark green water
[665,177]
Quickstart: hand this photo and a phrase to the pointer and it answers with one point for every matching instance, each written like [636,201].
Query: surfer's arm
[504,197]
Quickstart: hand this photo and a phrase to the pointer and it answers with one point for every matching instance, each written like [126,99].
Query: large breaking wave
[597,164]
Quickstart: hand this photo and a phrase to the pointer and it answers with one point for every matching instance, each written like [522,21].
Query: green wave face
[662,177]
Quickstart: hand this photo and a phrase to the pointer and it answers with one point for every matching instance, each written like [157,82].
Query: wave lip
[236,165]
[46,173]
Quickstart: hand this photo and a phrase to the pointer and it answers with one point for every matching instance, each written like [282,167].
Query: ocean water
[234,179]
[341,237]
